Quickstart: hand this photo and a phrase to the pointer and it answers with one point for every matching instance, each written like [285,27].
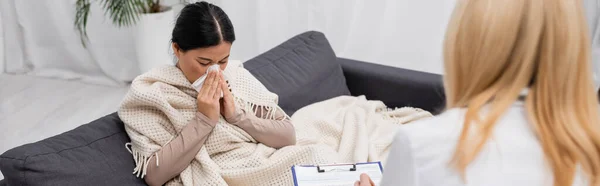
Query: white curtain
[2,61]
[41,40]
[402,33]
[593,17]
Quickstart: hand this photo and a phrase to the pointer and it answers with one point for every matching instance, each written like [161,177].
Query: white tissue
[200,81]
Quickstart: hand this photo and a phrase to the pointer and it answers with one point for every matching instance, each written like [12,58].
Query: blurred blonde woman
[521,105]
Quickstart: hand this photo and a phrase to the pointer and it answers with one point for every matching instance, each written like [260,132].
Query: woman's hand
[208,97]
[365,180]
[227,103]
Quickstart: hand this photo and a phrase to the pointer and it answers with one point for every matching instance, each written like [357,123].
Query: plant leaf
[123,12]
[81,17]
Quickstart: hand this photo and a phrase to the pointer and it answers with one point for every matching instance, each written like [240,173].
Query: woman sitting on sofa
[202,37]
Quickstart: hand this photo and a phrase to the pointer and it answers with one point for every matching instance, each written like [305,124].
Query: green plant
[121,12]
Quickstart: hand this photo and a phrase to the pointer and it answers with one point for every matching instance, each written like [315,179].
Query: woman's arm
[176,155]
[275,133]
[400,168]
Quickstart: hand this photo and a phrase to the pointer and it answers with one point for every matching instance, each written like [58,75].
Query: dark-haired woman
[202,37]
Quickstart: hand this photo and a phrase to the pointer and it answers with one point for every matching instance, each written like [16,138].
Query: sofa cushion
[93,154]
[302,70]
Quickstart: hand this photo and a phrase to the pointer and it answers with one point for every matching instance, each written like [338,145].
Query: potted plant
[153,25]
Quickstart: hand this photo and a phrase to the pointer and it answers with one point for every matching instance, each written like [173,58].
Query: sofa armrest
[396,87]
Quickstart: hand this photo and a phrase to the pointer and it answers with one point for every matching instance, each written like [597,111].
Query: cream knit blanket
[340,130]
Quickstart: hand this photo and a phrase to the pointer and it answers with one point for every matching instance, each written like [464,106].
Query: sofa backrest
[396,87]
[92,153]
[302,70]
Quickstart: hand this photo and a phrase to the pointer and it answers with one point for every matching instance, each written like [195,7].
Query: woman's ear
[176,50]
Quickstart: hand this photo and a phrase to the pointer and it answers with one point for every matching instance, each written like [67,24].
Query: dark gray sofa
[301,71]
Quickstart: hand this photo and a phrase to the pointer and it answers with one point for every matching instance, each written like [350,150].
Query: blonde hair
[496,48]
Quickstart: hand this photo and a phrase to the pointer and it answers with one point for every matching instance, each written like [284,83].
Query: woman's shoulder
[436,131]
[423,144]
[445,122]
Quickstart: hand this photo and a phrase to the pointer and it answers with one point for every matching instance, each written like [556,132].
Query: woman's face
[195,62]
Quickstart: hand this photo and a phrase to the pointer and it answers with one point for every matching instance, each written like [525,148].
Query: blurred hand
[365,180]
[208,96]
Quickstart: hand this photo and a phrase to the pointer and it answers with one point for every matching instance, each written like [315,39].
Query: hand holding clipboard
[337,174]
[365,180]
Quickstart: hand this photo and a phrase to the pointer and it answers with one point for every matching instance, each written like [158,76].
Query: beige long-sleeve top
[179,153]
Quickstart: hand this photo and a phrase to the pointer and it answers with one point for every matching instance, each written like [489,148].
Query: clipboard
[335,174]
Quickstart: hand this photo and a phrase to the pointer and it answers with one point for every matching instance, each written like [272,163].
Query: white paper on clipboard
[335,175]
